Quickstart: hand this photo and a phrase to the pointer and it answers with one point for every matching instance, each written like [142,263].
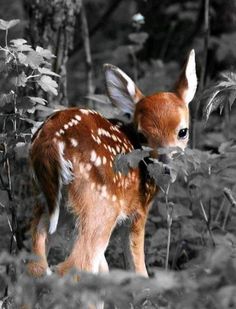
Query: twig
[228,194]
[102,22]
[226,216]
[135,63]
[206,44]
[203,68]
[169,212]
[222,205]
[208,221]
[87,49]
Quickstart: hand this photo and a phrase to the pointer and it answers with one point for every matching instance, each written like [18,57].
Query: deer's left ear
[187,83]
[121,90]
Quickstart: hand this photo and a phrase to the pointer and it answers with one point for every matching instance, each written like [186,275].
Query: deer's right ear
[121,90]
[187,84]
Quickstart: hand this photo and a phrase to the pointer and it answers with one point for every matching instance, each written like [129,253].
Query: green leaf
[137,155]
[48,84]
[20,45]
[157,172]
[45,53]
[5,25]
[38,100]
[47,71]
[21,80]
[34,59]
[23,59]
[18,42]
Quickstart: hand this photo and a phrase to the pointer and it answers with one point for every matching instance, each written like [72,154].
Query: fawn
[76,148]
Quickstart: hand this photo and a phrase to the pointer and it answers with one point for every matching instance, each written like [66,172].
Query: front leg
[137,235]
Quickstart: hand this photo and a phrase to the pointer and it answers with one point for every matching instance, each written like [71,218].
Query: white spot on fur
[58,134]
[88,167]
[93,156]
[96,139]
[114,198]
[74,142]
[98,161]
[74,121]
[104,160]
[101,132]
[66,126]
[66,165]
[85,111]
[61,131]
[78,117]
[104,191]
[114,137]
[70,123]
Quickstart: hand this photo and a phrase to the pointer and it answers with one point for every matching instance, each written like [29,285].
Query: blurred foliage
[208,283]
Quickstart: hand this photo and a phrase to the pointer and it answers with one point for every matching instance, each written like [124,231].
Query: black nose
[166,170]
[163,158]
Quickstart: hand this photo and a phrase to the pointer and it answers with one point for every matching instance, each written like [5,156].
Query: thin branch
[203,68]
[169,212]
[208,222]
[87,49]
[228,194]
[102,22]
[206,44]
[222,205]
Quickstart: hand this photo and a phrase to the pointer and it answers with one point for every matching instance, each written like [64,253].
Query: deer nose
[164,158]
[166,170]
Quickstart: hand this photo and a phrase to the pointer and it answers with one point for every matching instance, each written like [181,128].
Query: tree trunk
[51,26]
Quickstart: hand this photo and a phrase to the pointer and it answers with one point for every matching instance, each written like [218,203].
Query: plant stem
[6,38]
[203,69]
[169,211]
[208,221]
[87,49]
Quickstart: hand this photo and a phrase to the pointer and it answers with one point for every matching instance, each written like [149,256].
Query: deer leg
[39,228]
[88,250]
[103,266]
[137,235]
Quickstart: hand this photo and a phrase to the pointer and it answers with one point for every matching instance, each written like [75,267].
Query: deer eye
[183,133]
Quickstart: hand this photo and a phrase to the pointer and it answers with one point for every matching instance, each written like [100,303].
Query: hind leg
[39,228]
[103,266]
[95,229]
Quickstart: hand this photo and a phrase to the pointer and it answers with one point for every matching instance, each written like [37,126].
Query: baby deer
[76,148]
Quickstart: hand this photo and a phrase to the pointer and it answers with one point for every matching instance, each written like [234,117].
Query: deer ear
[187,83]
[121,90]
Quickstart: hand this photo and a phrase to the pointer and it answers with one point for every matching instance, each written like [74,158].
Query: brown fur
[97,195]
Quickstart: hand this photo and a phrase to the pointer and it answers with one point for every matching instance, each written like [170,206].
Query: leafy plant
[24,69]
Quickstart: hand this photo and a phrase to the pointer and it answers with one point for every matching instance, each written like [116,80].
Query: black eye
[183,133]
